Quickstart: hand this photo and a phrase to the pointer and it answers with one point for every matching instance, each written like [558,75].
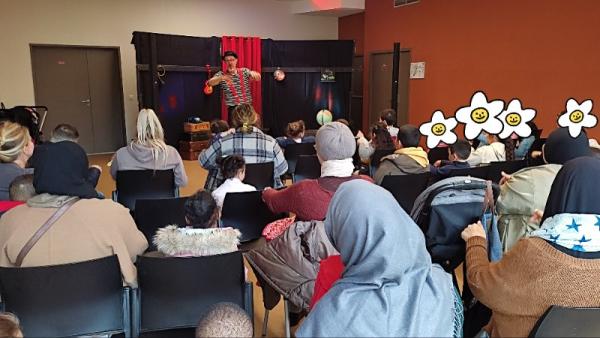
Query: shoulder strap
[42,230]
[488,199]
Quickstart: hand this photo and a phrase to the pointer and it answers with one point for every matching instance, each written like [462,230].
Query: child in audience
[219,129]
[294,134]
[224,320]
[234,171]
[458,153]
[380,140]
[201,236]
[490,150]
[388,116]
[16,147]
[10,326]
[149,150]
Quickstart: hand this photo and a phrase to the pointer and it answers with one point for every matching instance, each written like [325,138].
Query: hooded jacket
[405,161]
[138,157]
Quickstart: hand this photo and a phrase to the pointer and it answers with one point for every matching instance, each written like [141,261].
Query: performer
[235,82]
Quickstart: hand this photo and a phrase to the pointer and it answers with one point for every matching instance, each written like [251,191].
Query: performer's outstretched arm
[215,80]
[255,75]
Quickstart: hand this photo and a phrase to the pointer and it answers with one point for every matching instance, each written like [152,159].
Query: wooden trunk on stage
[190,150]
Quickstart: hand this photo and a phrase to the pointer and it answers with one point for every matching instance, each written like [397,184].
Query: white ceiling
[335,8]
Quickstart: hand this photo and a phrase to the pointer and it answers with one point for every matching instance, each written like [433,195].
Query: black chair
[76,299]
[406,188]
[509,167]
[479,172]
[437,153]
[153,214]
[174,292]
[247,212]
[260,175]
[568,322]
[307,167]
[144,184]
[292,151]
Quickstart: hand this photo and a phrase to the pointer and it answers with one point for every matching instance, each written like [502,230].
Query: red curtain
[249,56]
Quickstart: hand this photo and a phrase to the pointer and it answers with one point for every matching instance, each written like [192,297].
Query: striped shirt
[255,147]
[232,90]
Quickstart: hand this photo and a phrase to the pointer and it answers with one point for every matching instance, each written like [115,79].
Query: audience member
[525,143]
[90,228]
[389,286]
[490,150]
[294,134]
[458,153]
[234,172]
[219,128]
[201,236]
[21,189]
[388,116]
[149,150]
[527,190]
[10,326]
[225,320]
[248,141]
[558,265]
[408,159]
[16,147]
[308,199]
[380,140]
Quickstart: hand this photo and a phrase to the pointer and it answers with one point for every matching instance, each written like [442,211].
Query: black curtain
[302,94]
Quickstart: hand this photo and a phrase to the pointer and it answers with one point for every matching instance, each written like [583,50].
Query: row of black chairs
[88,298]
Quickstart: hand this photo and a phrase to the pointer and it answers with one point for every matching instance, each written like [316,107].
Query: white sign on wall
[417,70]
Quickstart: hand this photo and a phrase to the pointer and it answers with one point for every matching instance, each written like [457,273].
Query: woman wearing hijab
[389,286]
[557,265]
[89,228]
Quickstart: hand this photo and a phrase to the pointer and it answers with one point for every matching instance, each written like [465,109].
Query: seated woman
[149,151]
[16,147]
[308,199]
[527,190]
[234,171]
[525,143]
[90,228]
[389,286]
[294,134]
[381,144]
[490,149]
[201,236]
[249,141]
[557,265]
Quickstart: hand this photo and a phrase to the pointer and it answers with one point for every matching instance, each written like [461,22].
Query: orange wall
[542,52]
[352,27]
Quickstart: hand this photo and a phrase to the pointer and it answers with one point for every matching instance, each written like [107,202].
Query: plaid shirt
[255,147]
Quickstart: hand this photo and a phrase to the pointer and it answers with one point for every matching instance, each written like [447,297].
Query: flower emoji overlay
[515,119]
[480,115]
[577,117]
[439,129]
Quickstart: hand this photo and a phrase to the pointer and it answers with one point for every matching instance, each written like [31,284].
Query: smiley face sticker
[439,129]
[577,117]
[480,115]
[515,119]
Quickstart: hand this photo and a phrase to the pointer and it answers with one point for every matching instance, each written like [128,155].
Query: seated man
[458,153]
[225,320]
[408,159]
[20,190]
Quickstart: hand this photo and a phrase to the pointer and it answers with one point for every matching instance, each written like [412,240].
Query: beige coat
[90,229]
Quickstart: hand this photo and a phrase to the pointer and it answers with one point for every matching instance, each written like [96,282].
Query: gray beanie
[335,142]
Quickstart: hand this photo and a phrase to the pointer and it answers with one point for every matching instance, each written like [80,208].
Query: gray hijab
[389,286]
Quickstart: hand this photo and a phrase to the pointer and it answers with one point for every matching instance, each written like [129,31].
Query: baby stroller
[32,117]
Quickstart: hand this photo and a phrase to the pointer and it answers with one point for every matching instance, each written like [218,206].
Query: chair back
[568,322]
[509,167]
[75,299]
[247,212]
[478,172]
[437,153]
[174,291]
[260,175]
[292,151]
[307,167]
[153,214]
[144,184]
[406,188]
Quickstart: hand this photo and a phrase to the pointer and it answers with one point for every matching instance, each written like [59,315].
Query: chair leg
[287,319]
[265,323]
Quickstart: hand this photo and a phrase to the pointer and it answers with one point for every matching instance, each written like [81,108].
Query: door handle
[86,101]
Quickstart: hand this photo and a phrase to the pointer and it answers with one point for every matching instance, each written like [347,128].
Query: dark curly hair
[201,210]
[231,165]
[381,136]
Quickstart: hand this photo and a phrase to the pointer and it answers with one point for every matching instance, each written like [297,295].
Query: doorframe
[371,54]
[120,71]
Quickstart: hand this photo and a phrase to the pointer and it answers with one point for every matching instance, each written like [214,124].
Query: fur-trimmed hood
[184,242]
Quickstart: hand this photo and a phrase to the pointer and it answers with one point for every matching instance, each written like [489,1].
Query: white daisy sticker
[439,129]
[480,115]
[577,117]
[515,120]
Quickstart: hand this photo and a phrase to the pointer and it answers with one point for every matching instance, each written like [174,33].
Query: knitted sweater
[530,277]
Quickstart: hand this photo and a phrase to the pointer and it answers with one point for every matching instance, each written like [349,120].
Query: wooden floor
[197,177]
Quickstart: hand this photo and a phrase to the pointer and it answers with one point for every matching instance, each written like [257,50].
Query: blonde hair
[10,326]
[13,139]
[150,134]
[294,129]
[224,320]
[244,117]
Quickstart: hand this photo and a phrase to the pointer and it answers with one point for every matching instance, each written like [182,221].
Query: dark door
[380,95]
[82,87]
